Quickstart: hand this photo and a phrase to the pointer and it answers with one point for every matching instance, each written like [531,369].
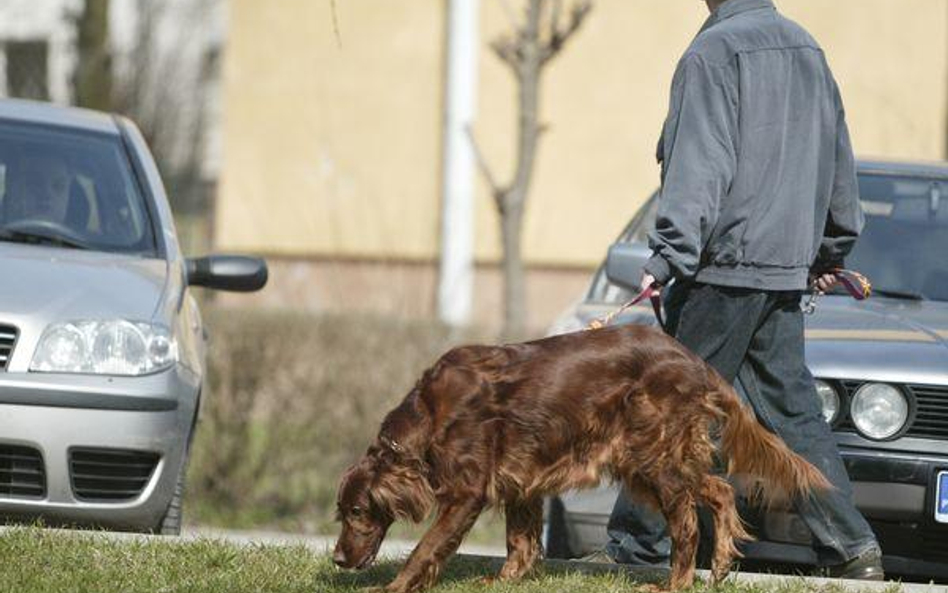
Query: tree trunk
[511,208]
[526,51]
[515,297]
[92,81]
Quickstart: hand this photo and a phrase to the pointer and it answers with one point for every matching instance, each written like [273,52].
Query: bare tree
[92,80]
[527,50]
[162,82]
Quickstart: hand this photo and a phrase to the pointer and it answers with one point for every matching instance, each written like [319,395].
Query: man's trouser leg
[781,390]
[758,335]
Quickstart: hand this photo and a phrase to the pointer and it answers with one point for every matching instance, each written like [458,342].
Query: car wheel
[557,535]
[170,524]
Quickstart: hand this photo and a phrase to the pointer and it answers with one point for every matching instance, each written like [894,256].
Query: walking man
[759,195]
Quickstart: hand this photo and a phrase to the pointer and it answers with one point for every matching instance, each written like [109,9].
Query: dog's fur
[506,425]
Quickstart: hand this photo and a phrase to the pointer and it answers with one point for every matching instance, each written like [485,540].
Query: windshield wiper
[898,294]
[40,238]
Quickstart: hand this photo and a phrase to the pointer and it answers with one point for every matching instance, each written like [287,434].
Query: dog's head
[385,485]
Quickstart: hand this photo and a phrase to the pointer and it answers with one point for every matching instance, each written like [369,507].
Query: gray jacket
[758,175]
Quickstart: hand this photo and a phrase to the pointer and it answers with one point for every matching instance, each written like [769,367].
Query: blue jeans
[754,339]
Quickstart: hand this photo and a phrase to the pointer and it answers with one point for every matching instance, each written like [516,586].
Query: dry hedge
[291,400]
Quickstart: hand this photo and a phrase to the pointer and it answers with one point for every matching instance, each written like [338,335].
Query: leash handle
[856,284]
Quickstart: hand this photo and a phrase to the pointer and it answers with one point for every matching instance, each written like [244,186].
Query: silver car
[882,369]
[101,343]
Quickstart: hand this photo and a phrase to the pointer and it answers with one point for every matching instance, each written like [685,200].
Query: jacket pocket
[726,249]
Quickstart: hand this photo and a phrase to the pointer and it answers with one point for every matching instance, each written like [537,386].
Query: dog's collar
[391,444]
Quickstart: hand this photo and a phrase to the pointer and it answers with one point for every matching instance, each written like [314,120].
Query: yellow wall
[328,149]
[335,151]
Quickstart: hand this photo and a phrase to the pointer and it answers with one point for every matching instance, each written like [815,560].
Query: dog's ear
[404,493]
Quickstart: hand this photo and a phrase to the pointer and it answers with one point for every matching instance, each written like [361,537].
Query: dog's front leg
[454,520]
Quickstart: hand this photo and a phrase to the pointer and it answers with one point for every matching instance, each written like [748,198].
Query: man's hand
[824,282]
[648,281]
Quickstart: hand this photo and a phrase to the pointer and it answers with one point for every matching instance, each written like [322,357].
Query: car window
[72,183]
[903,245]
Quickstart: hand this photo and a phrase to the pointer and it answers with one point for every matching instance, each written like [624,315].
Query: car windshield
[71,188]
[903,245]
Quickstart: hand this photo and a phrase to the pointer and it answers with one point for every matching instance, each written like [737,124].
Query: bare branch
[559,36]
[508,51]
[335,24]
[555,17]
[495,189]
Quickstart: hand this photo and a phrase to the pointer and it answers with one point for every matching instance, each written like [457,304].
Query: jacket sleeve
[699,146]
[845,218]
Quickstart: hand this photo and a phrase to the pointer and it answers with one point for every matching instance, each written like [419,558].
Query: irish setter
[505,426]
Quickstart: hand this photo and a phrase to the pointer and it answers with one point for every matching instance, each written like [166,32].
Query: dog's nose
[339,557]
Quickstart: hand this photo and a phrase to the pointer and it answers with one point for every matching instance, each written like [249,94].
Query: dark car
[882,370]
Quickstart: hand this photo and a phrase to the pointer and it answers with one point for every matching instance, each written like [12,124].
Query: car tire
[557,535]
[170,523]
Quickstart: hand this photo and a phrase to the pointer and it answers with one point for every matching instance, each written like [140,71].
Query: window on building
[27,73]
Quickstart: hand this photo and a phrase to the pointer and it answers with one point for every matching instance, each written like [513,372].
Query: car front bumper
[895,491]
[59,416]
[896,494]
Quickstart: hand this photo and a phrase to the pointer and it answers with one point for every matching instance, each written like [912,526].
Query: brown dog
[504,426]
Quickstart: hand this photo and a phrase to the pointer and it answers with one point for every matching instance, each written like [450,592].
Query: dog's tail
[753,450]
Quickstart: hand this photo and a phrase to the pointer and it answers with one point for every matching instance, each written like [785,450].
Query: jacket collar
[734,8]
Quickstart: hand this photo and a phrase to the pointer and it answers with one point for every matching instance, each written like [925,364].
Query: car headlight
[114,347]
[879,411]
[829,399]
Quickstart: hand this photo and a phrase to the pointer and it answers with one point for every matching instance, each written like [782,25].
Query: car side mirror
[236,273]
[625,262]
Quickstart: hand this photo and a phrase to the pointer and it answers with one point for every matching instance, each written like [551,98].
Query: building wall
[44,21]
[331,146]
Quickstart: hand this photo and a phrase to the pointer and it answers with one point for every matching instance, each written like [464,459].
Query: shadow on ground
[468,568]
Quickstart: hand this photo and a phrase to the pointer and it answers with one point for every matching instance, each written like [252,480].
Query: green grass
[34,560]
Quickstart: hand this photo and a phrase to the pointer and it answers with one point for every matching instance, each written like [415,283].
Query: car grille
[22,474]
[934,543]
[931,412]
[7,340]
[110,475]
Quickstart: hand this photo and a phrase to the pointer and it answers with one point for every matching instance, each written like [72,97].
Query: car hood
[882,338]
[46,284]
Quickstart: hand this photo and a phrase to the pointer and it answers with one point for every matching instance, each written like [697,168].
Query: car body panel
[77,285]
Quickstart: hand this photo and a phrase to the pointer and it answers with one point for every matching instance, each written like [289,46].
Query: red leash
[856,284]
[651,293]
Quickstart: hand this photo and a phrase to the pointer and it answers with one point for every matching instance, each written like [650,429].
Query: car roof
[929,170]
[20,110]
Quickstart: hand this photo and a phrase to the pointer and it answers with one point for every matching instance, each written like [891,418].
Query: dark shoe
[598,557]
[865,567]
